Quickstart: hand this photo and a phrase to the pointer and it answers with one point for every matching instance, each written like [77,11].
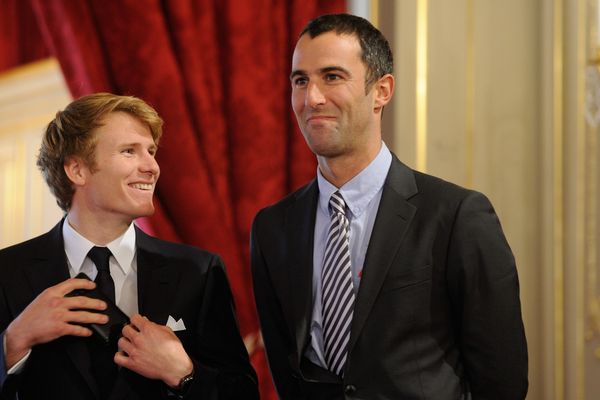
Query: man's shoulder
[432,182]
[435,194]
[306,193]
[14,257]
[29,246]
[167,248]
[437,185]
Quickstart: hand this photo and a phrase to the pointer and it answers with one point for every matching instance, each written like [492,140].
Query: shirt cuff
[18,367]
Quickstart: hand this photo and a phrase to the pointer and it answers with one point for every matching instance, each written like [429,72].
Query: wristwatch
[184,384]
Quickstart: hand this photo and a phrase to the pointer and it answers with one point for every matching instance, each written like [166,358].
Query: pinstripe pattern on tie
[337,288]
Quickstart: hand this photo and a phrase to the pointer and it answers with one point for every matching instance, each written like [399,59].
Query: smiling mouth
[320,118]
[142,186]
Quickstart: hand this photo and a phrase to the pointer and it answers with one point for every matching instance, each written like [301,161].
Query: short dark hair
[71,133]
[376,51]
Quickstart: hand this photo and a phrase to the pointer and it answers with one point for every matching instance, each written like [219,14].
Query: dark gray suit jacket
[173,279]
[437,314]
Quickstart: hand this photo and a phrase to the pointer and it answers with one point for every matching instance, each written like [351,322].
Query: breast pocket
[188,340]
[408,279]
[404,297]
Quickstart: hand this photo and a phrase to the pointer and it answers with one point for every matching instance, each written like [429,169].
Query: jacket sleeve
[484,291]
[8,383]
[272,322]
[221,363]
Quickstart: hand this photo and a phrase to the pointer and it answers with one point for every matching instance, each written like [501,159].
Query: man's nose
[150,165]
[314,95]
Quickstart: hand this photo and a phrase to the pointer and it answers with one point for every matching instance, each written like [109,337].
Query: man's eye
[332,77]
[299,82]
[128,151]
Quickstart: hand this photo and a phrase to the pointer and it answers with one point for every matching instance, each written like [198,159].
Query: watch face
[185,382]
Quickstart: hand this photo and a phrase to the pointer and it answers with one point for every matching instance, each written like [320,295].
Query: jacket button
[350,389]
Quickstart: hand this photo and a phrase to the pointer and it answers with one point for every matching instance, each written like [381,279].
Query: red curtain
[217,72]
[20,38]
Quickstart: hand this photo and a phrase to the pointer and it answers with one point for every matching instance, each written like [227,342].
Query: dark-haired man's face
[334,113]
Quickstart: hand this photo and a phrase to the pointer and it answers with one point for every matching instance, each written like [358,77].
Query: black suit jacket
[173,279]
[437,314]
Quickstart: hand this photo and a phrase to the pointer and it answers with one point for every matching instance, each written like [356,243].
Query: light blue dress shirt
[362,195]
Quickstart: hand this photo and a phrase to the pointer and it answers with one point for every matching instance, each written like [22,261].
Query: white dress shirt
[123,264]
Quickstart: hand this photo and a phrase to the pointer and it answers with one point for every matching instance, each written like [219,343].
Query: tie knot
[100,257]
[337,203]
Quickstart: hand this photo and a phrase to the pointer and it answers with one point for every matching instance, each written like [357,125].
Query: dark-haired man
[182,341]
[375,281]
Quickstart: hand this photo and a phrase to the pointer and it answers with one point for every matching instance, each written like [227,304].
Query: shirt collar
[77,247]
[360,190]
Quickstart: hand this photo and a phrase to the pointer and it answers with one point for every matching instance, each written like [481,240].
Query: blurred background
[502,96]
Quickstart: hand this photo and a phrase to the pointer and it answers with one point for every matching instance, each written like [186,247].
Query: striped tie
[337,287]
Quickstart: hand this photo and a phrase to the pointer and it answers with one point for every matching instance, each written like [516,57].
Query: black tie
[103,367]
[100,256]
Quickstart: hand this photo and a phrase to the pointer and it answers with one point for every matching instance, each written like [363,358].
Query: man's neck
[100,231]
[341,169]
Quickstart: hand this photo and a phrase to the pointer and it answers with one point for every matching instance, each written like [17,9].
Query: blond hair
[71,133]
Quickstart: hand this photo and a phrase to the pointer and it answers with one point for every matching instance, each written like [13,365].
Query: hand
[52,315]
[153,351]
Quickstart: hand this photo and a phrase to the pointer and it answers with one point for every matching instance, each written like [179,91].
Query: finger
[121,359]
[76,330]
[137,321]
[86,317]
[83,302]
[125,345]
[143,323]
[129,331]
[74,283]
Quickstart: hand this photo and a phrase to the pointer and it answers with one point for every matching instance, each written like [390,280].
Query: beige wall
[29,98]
[491,95]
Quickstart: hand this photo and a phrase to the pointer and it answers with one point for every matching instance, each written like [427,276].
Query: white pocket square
[175,325]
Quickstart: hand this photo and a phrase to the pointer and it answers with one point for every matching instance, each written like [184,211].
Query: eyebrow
[297,73]
[136,144]
[324,70]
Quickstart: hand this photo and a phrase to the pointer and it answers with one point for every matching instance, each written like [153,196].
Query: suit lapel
[156,281]
[49,268]
[393,218]
[299,231]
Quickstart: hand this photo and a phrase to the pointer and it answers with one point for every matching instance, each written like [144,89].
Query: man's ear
[384,89]
[77,170]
